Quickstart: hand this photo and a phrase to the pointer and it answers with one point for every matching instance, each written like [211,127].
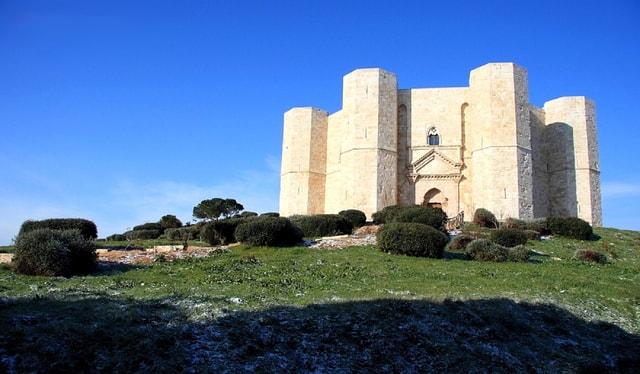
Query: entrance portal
[434,199]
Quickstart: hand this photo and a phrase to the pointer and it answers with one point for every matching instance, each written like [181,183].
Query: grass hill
[257,309]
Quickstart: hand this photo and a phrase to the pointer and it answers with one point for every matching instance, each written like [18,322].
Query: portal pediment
[435,163]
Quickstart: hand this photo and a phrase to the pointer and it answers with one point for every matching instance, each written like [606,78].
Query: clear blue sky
[124,111]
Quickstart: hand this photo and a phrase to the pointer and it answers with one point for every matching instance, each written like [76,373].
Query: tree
[169,221]
[213,209]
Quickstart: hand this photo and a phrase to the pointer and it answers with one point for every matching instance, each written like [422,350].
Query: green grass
[129,318]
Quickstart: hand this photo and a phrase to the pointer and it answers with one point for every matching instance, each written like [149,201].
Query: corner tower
[498,136]
[365,172]
[302,174]
[572,159]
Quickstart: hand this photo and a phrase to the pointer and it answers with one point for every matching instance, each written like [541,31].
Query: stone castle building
[460,148]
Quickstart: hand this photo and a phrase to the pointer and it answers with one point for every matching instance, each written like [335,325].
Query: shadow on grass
[387,335]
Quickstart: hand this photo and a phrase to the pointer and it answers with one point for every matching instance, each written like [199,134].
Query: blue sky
[124,111]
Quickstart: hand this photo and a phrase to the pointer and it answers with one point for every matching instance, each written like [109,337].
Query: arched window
[433,138]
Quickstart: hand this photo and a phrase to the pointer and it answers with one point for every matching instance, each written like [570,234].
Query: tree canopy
[213,209]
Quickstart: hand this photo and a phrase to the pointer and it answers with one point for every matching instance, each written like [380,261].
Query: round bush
[411,239]
[222,231]
[268,231]
[514,223]
[486,250]
[178,233]
[87,228]
[356,217]
[570,227]
[519,253]
[149,226]
[508,237]
[388,214]
[319,225]
[460,242]
[532,234]
[590,255]
[484,218]
[143,234]
[434,217]
[116,238]
[50,252]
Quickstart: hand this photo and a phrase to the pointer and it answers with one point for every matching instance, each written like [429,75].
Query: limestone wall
[498,135]
[364,174]
[574,171]
[304,153]
[495,151]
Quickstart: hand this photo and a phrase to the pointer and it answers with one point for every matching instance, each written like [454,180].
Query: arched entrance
[434,198]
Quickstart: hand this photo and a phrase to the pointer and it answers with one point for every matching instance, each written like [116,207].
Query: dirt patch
[137,256]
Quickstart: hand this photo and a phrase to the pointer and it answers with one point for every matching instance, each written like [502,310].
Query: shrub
[222,231]
[356,217]
[539,225]
[178,233]
[460,242]
[268,231]
[319,225]
[514,223]
[116,238]
[570,227]
[247,214]
[484,218]
[411,239]
[508,237]
[519,253]
[88,229]
[388,214]
[486,250]
[50,252]
[532,234]
[434,217]
[590,255]
[149,226]
[143,234]
[270,214]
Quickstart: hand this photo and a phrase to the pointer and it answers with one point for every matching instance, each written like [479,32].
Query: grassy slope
[356,309]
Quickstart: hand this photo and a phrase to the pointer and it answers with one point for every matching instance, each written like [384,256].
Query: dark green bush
[570,227]
[143,234]
[460,242]
[484,218]
[539,225]
[52,252]
[590,255]
[486,250]
[248,214]
[149,226]
[508,237]
[514,223]
[178,233]
[356,217]
[221,231]
[319,225]
[388,214]
[519,253]
[532,234]
[270,214]
[268,231]
[116,238]
[434,217]
[88,229]
[411,239]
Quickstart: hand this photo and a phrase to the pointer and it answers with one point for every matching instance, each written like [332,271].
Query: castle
[460,148]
